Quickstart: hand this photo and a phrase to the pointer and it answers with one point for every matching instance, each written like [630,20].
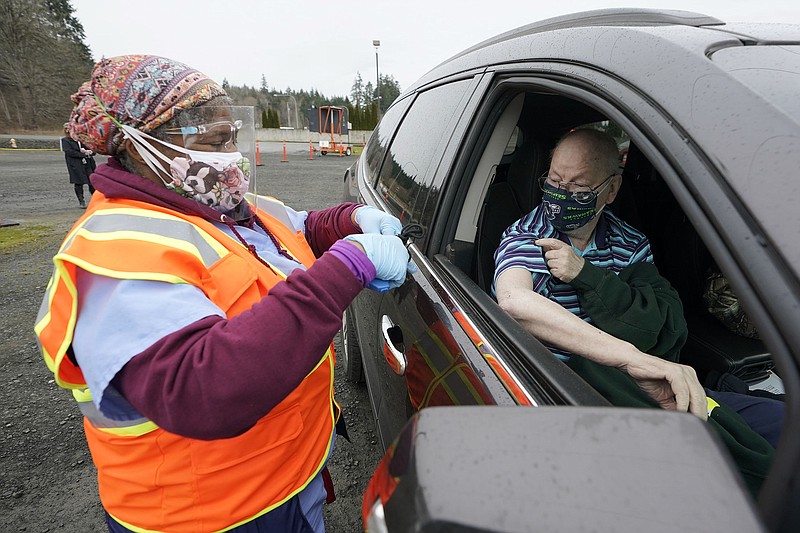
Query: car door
[426,343]
[675,121]
[414,351]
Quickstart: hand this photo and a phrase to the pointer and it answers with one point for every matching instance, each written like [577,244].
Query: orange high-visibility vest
[150,479]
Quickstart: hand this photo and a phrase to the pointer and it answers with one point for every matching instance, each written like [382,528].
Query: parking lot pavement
[48,478]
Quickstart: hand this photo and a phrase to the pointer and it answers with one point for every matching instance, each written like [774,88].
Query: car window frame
[420,194]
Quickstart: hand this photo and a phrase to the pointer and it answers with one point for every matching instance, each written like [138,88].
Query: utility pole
[376,43]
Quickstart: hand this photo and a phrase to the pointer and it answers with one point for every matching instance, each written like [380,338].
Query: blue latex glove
[372,220]
[388,254]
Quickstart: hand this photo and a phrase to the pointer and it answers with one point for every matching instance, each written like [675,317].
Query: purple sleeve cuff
[325,227]
[355,260]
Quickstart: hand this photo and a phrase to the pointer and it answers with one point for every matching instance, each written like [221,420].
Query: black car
[707,115]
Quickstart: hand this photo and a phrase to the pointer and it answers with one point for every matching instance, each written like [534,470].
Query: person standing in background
[80,165]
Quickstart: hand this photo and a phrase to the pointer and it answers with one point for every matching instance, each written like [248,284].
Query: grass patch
[356,150]
[13,236]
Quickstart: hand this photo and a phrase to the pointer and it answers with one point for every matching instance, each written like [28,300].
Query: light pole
[376,43]
[288,116]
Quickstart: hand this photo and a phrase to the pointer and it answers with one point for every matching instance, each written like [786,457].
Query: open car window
[501,189]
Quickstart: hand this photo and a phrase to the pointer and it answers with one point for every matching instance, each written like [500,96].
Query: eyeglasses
[215,133]
[580,193]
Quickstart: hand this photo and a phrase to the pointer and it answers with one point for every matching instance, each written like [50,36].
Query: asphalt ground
[47,479]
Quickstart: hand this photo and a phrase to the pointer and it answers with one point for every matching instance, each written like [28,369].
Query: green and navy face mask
[564,211]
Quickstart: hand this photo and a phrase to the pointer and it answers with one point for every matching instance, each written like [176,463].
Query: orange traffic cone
[310,150]
[284,160]
[258,155]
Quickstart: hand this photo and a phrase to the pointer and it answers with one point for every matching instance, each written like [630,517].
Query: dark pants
[763,415]
[79,191]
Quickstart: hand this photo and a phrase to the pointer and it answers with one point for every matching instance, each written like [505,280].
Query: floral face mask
[216,179]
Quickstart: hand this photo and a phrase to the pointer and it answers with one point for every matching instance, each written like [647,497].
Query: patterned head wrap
[140,91]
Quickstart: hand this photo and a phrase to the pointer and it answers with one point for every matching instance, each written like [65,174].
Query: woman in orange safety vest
[193,321]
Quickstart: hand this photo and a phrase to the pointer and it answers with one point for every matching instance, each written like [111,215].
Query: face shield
[212,128]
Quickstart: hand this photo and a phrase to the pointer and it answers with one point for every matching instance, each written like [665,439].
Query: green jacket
[637,305]
[640,307]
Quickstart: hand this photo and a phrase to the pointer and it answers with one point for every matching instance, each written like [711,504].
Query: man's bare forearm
[673,386]
[554,325]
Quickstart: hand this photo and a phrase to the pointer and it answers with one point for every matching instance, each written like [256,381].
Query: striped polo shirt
[615,246]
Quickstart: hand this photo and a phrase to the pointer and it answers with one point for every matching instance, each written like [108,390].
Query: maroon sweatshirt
[217,377]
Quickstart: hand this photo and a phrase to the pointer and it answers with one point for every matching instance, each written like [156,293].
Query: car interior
[503,188]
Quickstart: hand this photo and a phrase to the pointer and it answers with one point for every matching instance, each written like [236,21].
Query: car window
[379,140]
[722,341]
[405,180]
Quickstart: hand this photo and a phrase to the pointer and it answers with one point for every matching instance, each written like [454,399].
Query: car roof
[603,17]
[731,87]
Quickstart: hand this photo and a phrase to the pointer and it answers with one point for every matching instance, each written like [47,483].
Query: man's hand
[561,259]
[672,385]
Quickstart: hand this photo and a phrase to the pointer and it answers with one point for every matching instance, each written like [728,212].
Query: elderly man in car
[583,282]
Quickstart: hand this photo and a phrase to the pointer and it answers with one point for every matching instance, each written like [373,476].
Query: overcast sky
[306,44]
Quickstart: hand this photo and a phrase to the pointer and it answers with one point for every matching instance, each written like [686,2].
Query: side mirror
[498,469]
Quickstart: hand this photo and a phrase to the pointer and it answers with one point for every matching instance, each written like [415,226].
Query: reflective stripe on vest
[267,205]
[155,227]
[274,207]
[138,426]
[110,226]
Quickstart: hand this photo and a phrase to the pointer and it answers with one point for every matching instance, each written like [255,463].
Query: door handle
[393,347]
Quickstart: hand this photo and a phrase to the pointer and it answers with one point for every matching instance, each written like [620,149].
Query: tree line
[43,61]
[290,108]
